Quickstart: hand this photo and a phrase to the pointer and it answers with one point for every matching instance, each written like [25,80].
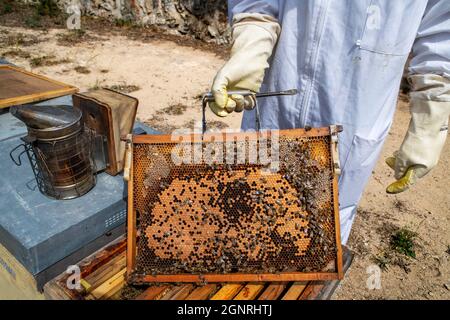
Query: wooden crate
[103,277]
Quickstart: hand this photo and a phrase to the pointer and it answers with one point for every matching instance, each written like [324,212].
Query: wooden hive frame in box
[213,222]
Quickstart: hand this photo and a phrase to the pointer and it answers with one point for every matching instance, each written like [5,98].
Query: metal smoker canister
[59,150]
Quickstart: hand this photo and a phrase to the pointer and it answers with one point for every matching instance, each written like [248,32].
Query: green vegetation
[33,21]
[6,7]
[403,242]
[123,22]
[47,8]
[43,8]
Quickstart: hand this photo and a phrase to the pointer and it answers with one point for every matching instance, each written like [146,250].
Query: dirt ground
[168,79]
[425,209]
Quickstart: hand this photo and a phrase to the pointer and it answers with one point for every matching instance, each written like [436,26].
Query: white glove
[427,132]
[254,38]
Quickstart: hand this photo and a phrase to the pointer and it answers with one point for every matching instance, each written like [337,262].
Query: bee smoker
[59,150]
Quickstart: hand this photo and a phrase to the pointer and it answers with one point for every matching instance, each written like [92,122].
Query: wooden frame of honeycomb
[209,221]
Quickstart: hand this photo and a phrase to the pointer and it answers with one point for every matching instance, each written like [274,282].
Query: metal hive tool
[213,222]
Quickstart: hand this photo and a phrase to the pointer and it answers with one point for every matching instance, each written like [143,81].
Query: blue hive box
[47,235]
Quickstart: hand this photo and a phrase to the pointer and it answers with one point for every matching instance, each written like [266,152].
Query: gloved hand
[254,37]
[427,132]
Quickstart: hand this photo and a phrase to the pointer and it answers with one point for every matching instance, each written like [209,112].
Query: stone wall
[203,19]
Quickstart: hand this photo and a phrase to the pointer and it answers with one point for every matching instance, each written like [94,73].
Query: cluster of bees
[234,218]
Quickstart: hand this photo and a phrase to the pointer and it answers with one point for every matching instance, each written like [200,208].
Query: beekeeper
[347,59]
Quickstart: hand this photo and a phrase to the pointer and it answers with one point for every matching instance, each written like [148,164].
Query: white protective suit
[347,60]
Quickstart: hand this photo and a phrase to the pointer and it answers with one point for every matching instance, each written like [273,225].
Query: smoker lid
[46,117]
[49,123]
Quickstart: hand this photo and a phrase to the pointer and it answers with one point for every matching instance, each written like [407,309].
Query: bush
[403,242]
[34,21]
[47,8]
[6,6]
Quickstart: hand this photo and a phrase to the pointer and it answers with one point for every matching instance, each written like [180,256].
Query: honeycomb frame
[250,225]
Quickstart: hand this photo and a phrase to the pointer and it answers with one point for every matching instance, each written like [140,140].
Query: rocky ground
[168,74]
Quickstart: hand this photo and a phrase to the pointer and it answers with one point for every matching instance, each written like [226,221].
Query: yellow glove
[427,132]
[254,38]
[402,184]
